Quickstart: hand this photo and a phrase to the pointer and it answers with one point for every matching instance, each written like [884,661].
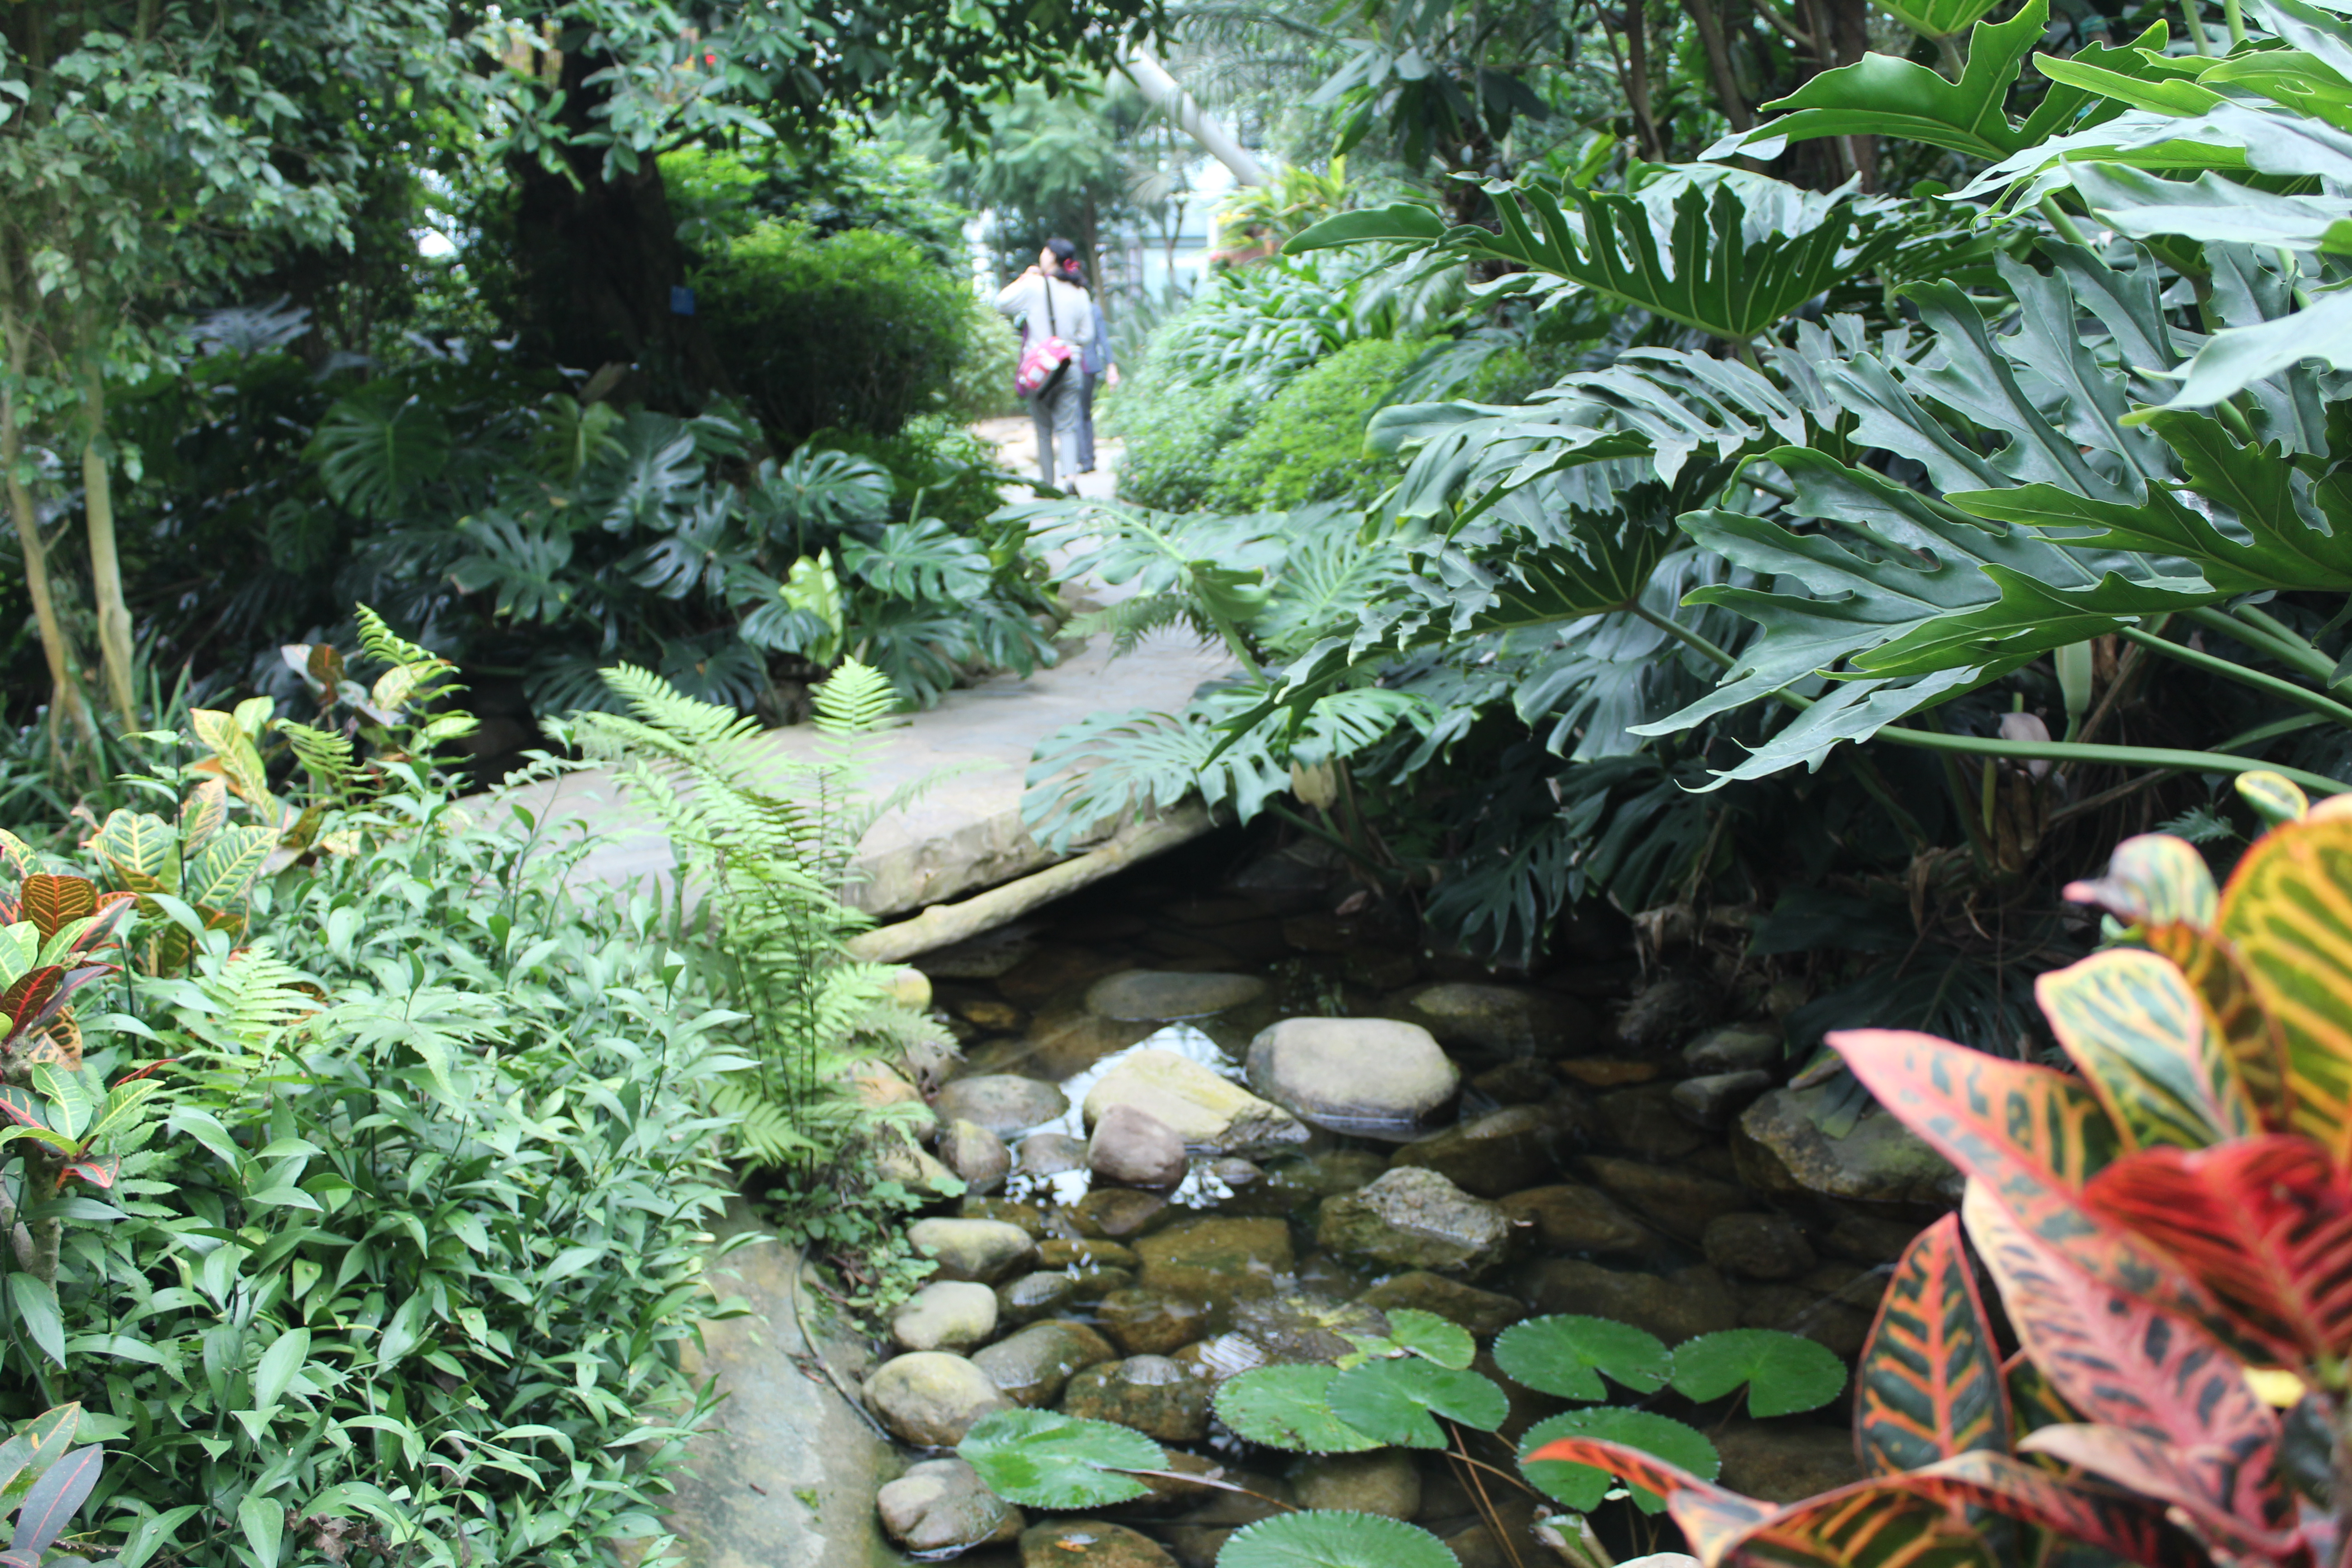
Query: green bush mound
[1173,435]
[1309,444]
[859,329]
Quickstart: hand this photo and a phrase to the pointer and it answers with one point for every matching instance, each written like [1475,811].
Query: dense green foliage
[1309,443]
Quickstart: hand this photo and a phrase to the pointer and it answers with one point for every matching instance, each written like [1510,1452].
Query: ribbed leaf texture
[1929,1383]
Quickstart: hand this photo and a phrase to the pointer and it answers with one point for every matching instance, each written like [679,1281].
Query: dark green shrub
[934,464]
[860,329]
[1173,434]
[1308,444]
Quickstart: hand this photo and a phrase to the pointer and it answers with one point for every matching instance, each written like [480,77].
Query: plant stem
[2120,756]
[1333,839]
[2064,221]
[1691,638]
[2285,690]
[2189,9]
[2235,14]
[114,646]
[2297,648]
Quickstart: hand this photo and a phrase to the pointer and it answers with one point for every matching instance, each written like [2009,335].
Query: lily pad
[1784,1373]
[1333,1538]
[1041,1458]
[1289,1407]
[1397,1401]
[1427,1335]
[1581,1487]
[1568,1355]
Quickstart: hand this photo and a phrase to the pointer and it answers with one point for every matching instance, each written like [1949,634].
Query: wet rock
[976,1155]
[931,1399]
[1005,1103]
[877,1086]
[1116,1213]
[1035,1295]
[1044,1154]
[1065,1041]
[1208,1506]
[925,1063]
[1757,1245]
[1836,1326]
[1503,1018]
[982,1249]
[897,1158]
[1340,1279]
[1735,1047]
[1866,1238]
[1572,1218]
[1207,1112]
[945,1315]
[1640,1121]
[1490,1156]
[1294,1328]
[1606,1073]
[1032,1366]
[1296,1186]
[984,957]
[1085,1252]
[1195,1545]
[1675,1201]
[940,1507]
[1386,1483]
[1049,972]
[1096,1282]
[1151,1394]
[1159,996]
[1483,1312]
[1523,1080]
[1216,1259]
[1089,1543]
[1028,1218]
[1712,1101]
[1780,1149]
[1150,1322]
[997,1017]
[1414,1219]
[1785,1462]
[1367,1077]
[1222,1357]
[1136,1148]
[1674,1307]
[910,988]
[1668,1011]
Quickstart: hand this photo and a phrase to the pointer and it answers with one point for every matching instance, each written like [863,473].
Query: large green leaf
[1398,1401]
[2211,210]
[1784,1372]
[376,446]
[1719,250]
[1566,1355]
[1042,1458]
[1289,1407]
[1333,1538]
[1583,1487]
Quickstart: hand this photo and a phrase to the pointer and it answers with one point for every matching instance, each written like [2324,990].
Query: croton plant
[2170,1232]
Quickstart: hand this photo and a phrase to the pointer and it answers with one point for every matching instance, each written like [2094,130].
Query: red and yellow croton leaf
[2264,1224]
[2154,879]
[2180,1476]
[1929,1382]
[2124,1362]
[2287,912]
[1915,1520]
[2030,1135]
[2151,1048]
[53,902]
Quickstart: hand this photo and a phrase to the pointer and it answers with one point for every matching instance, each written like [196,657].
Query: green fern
[389,647]
[1131,620]
[325,755]
[769,840]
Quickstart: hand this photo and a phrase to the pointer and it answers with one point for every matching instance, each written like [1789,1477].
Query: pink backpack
[1047,357]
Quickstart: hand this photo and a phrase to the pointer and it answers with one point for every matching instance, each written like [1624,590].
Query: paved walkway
[966,834]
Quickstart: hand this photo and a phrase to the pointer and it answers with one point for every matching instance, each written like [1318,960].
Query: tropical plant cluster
[1878,560]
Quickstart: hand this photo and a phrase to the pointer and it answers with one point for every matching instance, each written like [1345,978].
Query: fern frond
[252,998]
[1131,620]
[325,755]
[856,700]
[387,645]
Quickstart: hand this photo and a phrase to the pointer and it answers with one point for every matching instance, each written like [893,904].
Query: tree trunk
[114,644]
[1637,82]
[600,256]
[1718,63]
[1850,28]
[65,697]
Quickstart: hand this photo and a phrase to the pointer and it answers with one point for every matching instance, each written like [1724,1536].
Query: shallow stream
[1574,1181]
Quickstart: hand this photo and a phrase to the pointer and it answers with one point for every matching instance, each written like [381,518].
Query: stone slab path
[966,834]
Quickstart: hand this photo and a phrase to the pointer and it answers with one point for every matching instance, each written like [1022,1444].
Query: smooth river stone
[1205,1110]
[1005,1103]
[1365,1077]
[1155,996]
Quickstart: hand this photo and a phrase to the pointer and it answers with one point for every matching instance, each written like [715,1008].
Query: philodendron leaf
[1039,1458]
[1784,1373]
[1331,1537]
[1567,1356]
[1581,1487]
[1397,1401]
[1289,1407]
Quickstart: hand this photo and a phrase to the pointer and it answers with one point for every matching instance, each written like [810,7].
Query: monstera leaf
[1719,250]
[376,446]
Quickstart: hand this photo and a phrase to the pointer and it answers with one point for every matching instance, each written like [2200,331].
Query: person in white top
[1048,301]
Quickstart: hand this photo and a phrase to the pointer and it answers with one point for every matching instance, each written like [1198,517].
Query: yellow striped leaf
[2287,912]
[2151,1048]
[2274,797]
[141,851]
[230,864]
[2154,879]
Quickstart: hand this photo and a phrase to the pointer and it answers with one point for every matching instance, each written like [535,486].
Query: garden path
[967,833]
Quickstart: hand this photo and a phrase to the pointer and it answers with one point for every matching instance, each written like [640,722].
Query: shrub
[936,467]
[1173,434]
[982,387]
[1308,444]
[408,1273]
[860,329]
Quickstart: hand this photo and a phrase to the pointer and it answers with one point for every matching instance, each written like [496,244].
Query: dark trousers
[1087,423]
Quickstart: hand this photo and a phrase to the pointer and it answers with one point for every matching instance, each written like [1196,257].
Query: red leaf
[153,1067]
[2124,1362]
[50,1506]
[1929,1383]
[2130,1527]
[30,992]
[19,1106]
[52,902]
[2264,1222]
[2182,1477]
[2028,1135]
[96,1172]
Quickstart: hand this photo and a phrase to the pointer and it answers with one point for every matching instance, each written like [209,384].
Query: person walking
[1051,306]
[1094,358]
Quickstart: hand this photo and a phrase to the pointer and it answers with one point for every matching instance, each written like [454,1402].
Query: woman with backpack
[1057,317]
